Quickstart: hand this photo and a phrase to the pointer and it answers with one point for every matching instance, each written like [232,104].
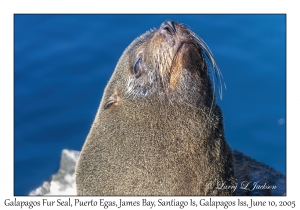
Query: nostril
[168,26]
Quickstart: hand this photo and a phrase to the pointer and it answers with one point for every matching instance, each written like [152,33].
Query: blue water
[63,62]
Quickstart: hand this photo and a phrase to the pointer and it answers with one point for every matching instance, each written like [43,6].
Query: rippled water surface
[63,62]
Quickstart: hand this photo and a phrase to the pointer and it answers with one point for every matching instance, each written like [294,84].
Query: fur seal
[158,129]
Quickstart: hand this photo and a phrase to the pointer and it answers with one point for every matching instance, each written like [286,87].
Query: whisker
[211,63]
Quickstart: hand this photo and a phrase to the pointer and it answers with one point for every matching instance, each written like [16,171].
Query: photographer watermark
[244,185]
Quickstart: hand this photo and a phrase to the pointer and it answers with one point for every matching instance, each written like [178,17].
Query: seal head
[158,130]
[171,61]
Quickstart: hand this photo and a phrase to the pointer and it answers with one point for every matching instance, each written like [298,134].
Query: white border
[9,8]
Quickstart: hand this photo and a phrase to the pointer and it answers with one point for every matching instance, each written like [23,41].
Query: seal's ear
[111,100]
[108,103]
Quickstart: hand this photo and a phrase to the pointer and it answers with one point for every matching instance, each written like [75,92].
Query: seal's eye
[137,68]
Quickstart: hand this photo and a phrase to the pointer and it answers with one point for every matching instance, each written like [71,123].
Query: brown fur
[158,136]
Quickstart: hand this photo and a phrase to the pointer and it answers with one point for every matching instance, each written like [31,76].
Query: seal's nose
[168,26]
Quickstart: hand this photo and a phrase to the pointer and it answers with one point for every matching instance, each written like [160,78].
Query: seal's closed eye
[137,68]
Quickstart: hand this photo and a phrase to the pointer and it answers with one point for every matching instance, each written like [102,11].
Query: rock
[247,170]
[63,182]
